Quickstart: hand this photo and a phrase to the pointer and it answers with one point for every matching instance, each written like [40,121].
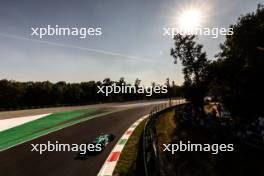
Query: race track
[19,160]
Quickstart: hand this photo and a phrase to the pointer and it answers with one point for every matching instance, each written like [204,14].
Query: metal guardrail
[150,155]
[144,148]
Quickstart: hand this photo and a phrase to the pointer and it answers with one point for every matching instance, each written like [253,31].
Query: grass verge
[39,127]
[127,163]
[165,127]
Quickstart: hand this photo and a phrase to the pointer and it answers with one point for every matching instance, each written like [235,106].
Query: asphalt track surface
[20,161]
[31,112]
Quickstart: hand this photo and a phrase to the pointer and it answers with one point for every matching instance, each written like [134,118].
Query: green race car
[96,146]
[104,139]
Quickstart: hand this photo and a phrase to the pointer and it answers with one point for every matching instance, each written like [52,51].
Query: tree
[238,73]
[195,64]
[19,95]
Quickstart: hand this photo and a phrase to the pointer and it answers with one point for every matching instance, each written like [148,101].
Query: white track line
[13,122]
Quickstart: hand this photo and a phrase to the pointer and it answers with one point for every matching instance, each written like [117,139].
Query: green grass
[165,127]
[126,164]
[42,126]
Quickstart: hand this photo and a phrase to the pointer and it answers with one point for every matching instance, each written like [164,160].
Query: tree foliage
[195,64]
[236,77]
[20,95]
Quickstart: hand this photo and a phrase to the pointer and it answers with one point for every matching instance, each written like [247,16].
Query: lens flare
[190,19]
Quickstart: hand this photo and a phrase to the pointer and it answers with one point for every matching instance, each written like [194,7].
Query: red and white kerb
[111,161]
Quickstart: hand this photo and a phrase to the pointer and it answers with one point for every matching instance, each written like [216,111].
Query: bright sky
[132,44]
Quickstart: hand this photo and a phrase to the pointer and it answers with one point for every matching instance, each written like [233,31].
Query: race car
[99,143]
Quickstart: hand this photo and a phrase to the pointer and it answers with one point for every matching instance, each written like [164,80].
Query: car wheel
[111,137]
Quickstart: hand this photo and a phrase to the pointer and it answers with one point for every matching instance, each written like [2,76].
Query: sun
[190,19]
[191,16]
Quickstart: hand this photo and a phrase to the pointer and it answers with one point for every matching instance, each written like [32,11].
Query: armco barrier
[148,136]
[149,140]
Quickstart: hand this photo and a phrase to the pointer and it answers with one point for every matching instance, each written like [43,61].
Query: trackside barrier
[148,145]
[149,140]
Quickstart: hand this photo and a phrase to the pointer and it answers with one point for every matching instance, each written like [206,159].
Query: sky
[132,44]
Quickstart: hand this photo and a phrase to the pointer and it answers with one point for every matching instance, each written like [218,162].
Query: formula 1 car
[99,143]
[104,139]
